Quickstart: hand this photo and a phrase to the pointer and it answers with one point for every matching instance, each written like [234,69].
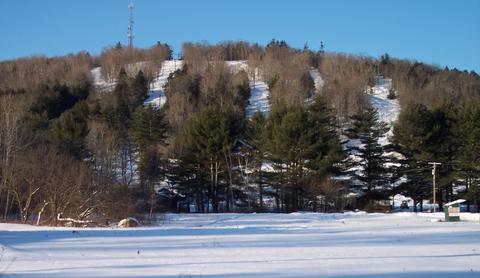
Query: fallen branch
[76,221]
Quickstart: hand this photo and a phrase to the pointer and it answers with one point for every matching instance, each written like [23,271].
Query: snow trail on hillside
[317,80]
[387,109]
[258,101]
[317,85]
[101,84]
[259,93]
[156,96]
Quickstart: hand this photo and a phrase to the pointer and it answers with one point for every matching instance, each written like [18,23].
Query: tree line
[70,151]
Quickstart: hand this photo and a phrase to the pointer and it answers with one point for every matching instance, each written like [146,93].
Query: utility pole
[130,25]
[434,169]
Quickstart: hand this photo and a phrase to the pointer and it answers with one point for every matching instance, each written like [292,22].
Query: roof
[459,201]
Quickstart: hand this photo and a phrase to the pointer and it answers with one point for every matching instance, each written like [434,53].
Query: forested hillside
[233,127]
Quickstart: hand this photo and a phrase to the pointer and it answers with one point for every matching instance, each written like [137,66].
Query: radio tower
[130,25]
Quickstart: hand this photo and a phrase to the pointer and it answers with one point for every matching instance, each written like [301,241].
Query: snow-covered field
[250,245]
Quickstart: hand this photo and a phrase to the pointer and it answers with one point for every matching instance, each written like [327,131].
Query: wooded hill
[68,149]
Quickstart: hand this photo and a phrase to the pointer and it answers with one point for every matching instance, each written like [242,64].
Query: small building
[452,210]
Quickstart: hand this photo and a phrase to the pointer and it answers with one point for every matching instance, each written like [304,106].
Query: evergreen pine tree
[209,138]
[303,147]
[148,127]
[138,90]
[255,136]
[255,130]
[411,136]
[468,155]
[121,114]
[70,130]
[369,168]
[331,150]
[150,172]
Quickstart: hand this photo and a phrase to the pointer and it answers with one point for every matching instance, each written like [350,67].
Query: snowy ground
[250,245]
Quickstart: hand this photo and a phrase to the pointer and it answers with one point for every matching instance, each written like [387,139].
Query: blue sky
[446,33]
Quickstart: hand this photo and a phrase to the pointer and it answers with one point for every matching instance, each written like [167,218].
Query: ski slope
[259,93]
[259,98]
[387,109]
[156,95]
[317,85]
[250,245]
[317,79]
[101,84]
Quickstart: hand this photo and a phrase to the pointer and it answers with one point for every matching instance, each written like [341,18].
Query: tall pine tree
[368,166]
[302,145]
[411,138]
[209,139]
[148,127]
[70,130]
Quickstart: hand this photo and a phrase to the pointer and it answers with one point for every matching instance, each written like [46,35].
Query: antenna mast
[130,25]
